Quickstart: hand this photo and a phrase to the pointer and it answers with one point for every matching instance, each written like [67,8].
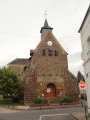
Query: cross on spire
[45,14]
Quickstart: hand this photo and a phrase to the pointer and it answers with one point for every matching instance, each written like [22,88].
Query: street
[50,114]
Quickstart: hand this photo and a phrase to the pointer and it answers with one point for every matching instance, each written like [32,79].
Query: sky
[21,21]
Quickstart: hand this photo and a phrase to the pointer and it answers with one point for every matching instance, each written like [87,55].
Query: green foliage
[82,78]
[10,101]
[38,101]
[67,99]
[9,82]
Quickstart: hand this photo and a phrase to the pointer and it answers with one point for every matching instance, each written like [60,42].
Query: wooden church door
[50,90]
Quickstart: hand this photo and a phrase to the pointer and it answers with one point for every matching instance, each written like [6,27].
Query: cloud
[75,63]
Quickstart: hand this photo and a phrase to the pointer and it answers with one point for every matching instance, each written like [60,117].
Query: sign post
[80,76]
[82,86]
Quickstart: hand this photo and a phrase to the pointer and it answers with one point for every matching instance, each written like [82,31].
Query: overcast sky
[21,21]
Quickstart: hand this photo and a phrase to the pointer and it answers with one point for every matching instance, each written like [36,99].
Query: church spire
[46,23]
[45,28]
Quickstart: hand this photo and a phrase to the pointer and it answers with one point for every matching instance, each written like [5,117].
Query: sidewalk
[7,110]
[78,116]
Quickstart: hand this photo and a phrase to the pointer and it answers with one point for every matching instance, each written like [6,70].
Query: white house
[85,41]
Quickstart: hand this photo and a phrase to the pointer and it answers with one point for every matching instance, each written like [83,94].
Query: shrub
[67,99]
[38,101]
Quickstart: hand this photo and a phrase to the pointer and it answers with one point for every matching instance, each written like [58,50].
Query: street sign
[80,76]
[82,93]
[82,85]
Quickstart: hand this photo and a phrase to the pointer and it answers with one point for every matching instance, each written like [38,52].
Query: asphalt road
[53,114]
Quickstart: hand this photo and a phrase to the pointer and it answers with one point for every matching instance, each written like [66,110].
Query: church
[45,74]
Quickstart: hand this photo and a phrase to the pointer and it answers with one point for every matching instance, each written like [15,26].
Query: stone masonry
[49,70]
[46,73]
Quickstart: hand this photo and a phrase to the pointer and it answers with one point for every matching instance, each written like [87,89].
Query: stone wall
[71,85]
[18,69]
[30,86]
[57,81]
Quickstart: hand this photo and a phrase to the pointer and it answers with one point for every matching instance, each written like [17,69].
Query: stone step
[53,100]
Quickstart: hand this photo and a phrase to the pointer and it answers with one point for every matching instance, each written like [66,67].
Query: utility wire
[26,35]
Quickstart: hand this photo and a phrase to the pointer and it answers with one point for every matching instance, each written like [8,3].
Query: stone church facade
[46,75]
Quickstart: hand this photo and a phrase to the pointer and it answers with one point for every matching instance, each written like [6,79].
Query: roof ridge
[19,61]
[85,17]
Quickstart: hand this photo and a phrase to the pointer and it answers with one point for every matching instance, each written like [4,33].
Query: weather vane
[45,14]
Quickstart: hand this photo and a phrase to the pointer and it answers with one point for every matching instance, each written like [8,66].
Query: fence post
[3,103]
[8,105]
[40,106]
[13,107]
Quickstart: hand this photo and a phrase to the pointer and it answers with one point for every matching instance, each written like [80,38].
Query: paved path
[79,116]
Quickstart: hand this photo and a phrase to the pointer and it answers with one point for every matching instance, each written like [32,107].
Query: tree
[80,77]
[9,82]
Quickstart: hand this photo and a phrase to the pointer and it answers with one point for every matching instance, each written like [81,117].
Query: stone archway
[51,90]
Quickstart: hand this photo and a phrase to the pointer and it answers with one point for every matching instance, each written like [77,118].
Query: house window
[56,53]
[43,53]
[50,52]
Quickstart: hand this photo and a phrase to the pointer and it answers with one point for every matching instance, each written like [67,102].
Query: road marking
[52,115]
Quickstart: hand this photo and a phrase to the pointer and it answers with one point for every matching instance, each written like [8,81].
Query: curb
[47,108]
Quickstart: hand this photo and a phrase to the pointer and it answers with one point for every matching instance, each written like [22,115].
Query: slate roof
[19,61]
[87,13]
[46,26]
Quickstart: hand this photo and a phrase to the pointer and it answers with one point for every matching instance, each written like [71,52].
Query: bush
[38,101]
[67,100]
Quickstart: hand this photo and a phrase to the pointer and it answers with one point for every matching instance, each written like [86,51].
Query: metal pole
[40,106]
[3,103]
[85,108]
[85,113]
[13,107]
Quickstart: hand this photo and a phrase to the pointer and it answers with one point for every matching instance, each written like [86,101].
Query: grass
[10,102]
[1,98]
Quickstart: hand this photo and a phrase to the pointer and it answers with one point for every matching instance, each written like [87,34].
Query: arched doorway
[51,91]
